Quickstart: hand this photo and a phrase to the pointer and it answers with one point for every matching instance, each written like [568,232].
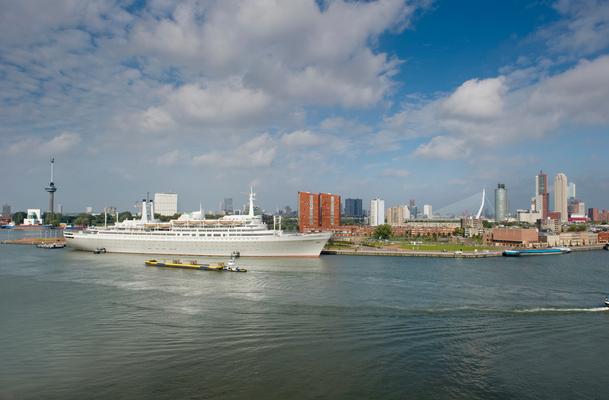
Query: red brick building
[594,214]
[318,211]
[603,237]
[515,236]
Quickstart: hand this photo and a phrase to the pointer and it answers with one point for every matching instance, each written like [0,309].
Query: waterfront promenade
[413,253]
[393,252]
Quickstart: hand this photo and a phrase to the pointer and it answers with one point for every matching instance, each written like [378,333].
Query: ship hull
[273,246]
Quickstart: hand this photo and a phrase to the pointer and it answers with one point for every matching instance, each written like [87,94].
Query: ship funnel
[144,211]
[252,194]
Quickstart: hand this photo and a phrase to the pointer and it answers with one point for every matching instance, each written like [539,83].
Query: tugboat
[231,265]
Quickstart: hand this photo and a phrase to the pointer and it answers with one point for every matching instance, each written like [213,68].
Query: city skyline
[104,88]
[536,202]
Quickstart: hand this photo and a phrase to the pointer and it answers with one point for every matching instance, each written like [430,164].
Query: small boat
[536,252]
[606,301]
[100,250]
[54,245]
[231,265]
[192,264]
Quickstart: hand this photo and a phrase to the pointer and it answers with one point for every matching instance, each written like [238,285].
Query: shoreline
[406,253]
[435,254]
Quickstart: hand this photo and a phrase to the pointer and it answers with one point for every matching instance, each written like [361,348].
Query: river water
[76,325]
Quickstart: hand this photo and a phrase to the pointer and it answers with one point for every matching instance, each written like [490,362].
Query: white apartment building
[377,212]
[397,216]
[166,204]
[560,196]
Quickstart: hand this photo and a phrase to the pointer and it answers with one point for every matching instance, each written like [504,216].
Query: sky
[426,100]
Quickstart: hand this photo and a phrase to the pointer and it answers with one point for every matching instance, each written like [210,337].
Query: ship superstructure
[193,234]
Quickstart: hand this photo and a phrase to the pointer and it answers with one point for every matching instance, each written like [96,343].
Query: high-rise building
[227,206]
[572,193]
[414,211]
[166,204]
[353,208]
[329,205]
[594,214]
[397,216]
[541,189]
[501,203]
[560,196]
[318,211]
[427,211]
[308,211]
[377,212]
[89,210]
[6,211]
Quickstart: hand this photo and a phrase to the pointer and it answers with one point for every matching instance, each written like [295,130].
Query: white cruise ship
[192,234]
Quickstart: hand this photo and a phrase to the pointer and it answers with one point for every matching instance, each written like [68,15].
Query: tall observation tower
[51,189]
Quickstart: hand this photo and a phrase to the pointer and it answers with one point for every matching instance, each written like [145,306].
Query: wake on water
[561,310]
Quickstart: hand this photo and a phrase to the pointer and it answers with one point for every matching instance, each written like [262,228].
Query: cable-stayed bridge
[471,206]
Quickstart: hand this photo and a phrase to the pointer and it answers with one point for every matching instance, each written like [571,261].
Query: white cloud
[488,114]
[255,153]
[291,50]
[580,94]
[171,158]
[395,173]
[476,99]
[36,146]
[155,119]
[584,28]
[301,138]
[444,147]
[212,104]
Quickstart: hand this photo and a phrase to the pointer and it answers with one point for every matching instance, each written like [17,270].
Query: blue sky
[431,100]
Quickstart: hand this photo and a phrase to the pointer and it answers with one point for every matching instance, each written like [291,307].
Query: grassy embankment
[427,246]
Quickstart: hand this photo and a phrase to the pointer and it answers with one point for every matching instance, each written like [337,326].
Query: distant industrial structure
[51,189]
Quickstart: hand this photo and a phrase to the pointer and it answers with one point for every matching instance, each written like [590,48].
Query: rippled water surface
[76,325]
